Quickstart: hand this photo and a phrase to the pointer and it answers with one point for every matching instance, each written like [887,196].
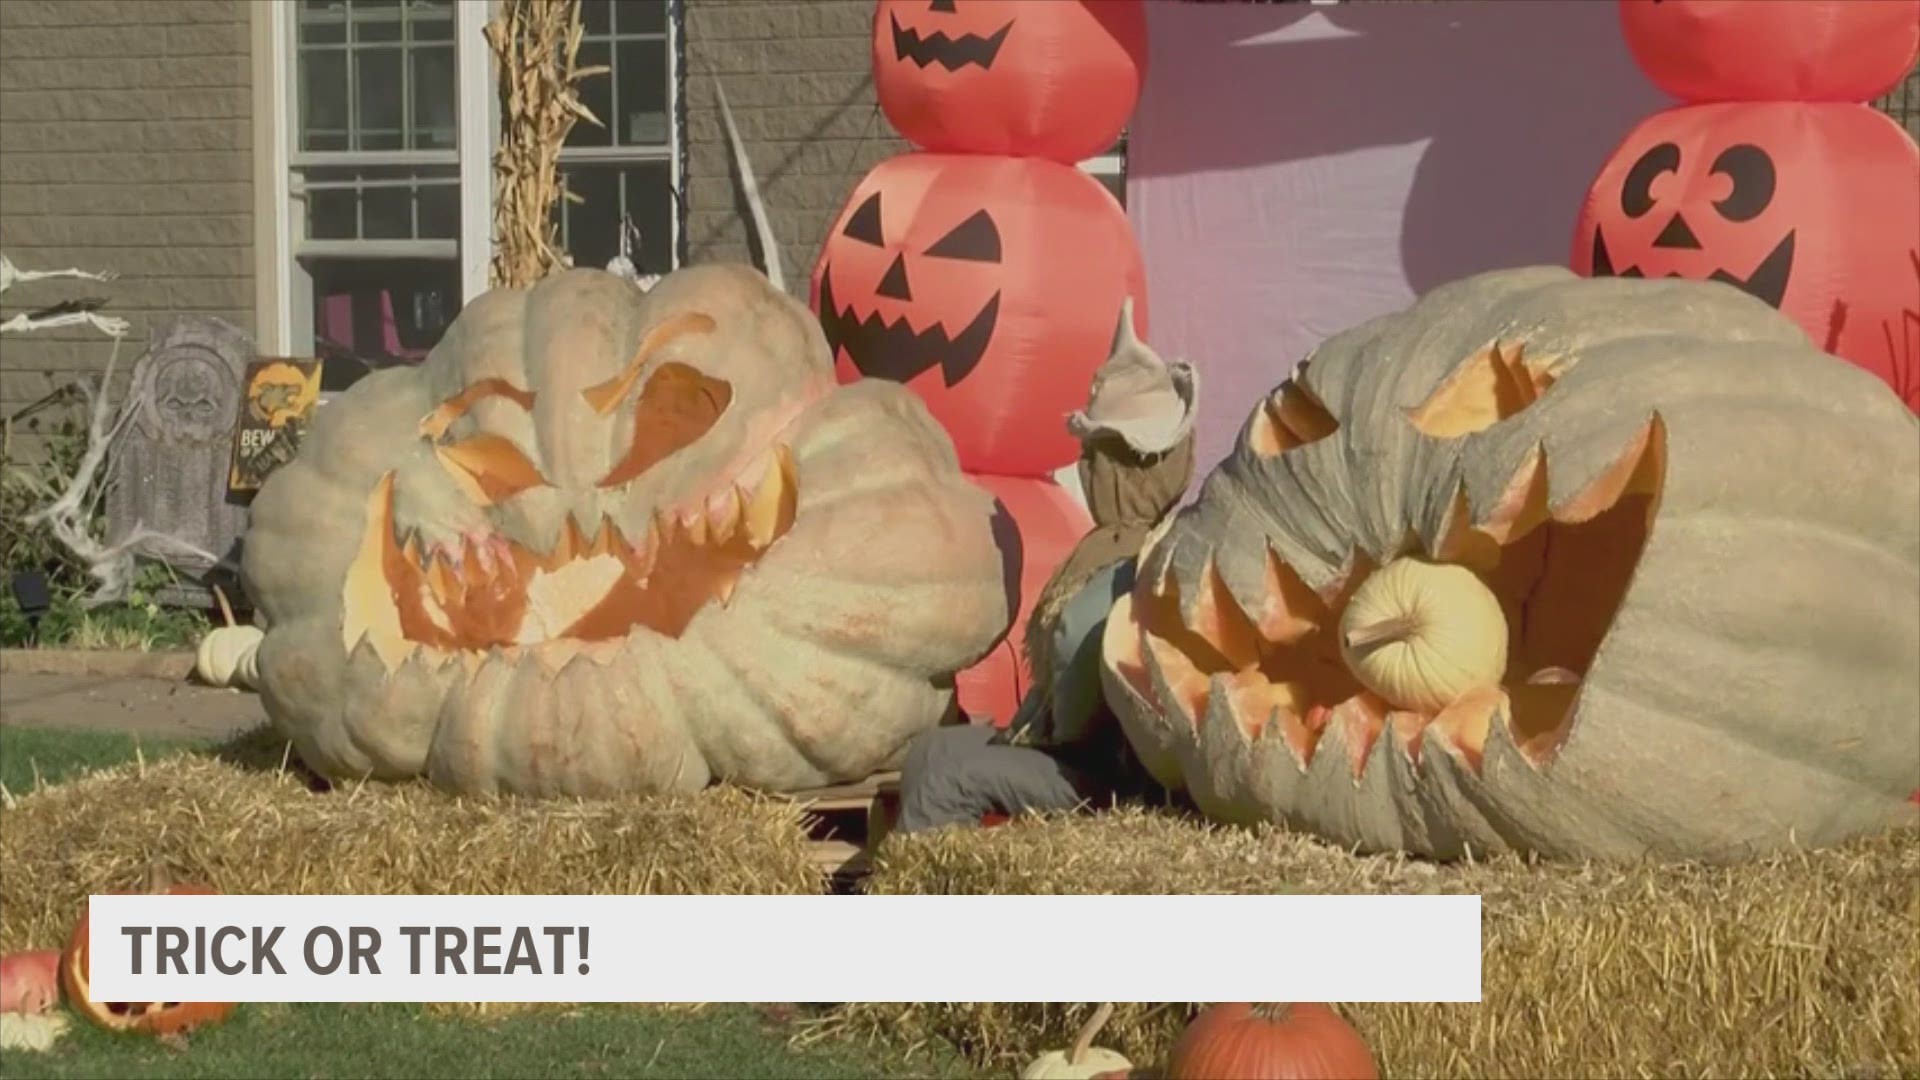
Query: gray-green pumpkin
[1701,534]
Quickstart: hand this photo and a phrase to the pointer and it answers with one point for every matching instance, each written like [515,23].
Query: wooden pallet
[849,821]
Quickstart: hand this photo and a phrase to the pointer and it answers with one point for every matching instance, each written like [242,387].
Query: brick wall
[125,144]
[799,79]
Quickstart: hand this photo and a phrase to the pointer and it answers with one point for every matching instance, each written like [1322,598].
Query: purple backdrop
[1295,170]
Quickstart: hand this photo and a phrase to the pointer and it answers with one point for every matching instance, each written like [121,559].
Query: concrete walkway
[159,707]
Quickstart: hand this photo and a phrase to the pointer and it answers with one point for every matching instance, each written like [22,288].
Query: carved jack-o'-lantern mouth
[1559,574]
[487,591]
[952,53]
[882,349]
[1768,281]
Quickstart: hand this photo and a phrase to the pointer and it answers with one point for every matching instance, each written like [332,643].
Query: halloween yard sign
[604,541]
[1055,80]
[1808,203]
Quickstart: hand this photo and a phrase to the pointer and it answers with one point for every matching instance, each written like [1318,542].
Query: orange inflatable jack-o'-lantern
[1037,527]
[1799,50]
[1056,79]
[1810,207]
[991,287]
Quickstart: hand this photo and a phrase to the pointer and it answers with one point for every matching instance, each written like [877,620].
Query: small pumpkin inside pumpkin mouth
[491,592]
[1559,573]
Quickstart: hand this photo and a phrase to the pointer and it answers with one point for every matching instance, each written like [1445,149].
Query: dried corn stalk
[536,45]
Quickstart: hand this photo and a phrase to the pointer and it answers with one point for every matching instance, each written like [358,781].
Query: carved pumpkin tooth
[727,515]
[770,510]
[695,528]
[1219,620]
[370,613]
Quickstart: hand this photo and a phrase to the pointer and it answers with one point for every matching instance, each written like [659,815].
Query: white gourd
[1421,634]
[227,657]
[1083,1060]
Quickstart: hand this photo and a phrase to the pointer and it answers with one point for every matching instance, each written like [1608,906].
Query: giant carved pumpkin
[1785,50]
[609,541]
[1700,536]
[1038,525]
[991,287]
[1055,80]
[1808,207]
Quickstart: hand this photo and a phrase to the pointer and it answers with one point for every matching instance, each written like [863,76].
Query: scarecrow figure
[1064,746]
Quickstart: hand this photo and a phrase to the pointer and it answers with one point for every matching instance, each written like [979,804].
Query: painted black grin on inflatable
[1768,281]
[950,53]
[895,350]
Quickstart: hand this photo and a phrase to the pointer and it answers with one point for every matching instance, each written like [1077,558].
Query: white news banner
[785,948]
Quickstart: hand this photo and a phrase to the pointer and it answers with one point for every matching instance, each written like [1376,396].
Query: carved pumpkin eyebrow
[442,417]
[605,396]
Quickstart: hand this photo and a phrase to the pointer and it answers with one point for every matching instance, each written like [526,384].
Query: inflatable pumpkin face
[1808,207]
[991,287]
[1689,541]
[1056,79]
[604,541]
[1786,50]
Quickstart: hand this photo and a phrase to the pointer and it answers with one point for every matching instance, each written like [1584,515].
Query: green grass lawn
[53,754]
[351,1041]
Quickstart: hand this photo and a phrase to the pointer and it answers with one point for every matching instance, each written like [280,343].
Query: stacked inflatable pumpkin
[983,270]
[1773,174]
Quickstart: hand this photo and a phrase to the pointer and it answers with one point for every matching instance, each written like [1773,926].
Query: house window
[1110,169]
[375,175]
[628,169]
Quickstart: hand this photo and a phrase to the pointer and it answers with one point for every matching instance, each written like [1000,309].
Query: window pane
[383,309]
[592,228]
[434,119]
[323,100]
[642,67]
[378,73]
[331,214]
[595,15]
[387,213]
[431,20]
[439,211]
[649,201]
[380,203]
[322,22]
[640,16]
[596,93]
[593,225]
[376,20]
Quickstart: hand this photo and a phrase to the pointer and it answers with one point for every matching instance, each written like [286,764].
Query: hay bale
[1798,965]
[249,830]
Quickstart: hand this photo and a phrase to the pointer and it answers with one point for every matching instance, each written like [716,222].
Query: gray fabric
[953,775]
[1076,694]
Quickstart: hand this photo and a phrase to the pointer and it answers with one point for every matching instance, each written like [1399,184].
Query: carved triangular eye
[864,225]
[976,239]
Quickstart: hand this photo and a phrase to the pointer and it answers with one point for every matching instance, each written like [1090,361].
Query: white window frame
[639,155]
[283,307]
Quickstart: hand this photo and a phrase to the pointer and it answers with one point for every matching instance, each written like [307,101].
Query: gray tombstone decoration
[170,469]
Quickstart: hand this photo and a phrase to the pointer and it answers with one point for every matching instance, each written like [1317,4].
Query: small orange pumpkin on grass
[162,1018]
[1271,1041]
